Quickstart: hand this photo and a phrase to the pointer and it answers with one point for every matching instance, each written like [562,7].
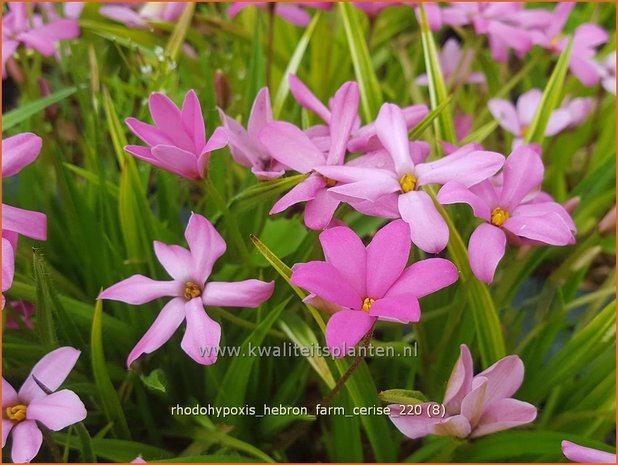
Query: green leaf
[108,394]
[155,380]
[46,328]
[292,68]
[417,132]
[116,450]
[371,94]
[87,451]
[551,98]
[402,397]
[445,129]
[286,235]
[24,112]
[263,192]
[180,31]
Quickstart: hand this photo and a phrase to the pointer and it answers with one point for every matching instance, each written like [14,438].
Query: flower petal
[542,208]
[503,378]
[250,293]
[402,308]
[167,322]
[202,336]
[523,172]
[460,381]
[427,227]
[455,192]
[387,256]
[549,229]
[413,426]
[138,290]
[559,120]
[193,121]
[527,105]
[19,151]
[206,246]
[25,222]
[486,249]
[505,113]
[468,167]
[504,414]
[7,426]
[291,146]
[581,454]
[8,265]
[474,402]
[307,99]
[168,119]
[261,113]
[57,410]
[425,277]
[177,161]
[151,135]
[303,192]
[393,134]
[344,114]
[50,371]
[27,440]
[9,395]
[323,279]
[360,183]
[320,210]
[175,259]
[345,329]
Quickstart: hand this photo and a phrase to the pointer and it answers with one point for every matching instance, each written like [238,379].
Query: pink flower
[579,109]
[245,145]
[293,148]
[137,15]
[23,312]
[398,184]
[291,12]
[53,409]
[373,9]
[189,270]
[510,210]
[585,40]
[18,152]
[370,283]
[582,454]
[35,35]
[474,405]
[455,66]
[8,267]
[517,119]
[138,459]
[608,72]
[177,143]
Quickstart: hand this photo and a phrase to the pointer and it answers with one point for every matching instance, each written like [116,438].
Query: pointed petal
[218,139]
[138,290]
[151,135]
[206,246]
[504,414]
[503,378]
[387,256]
[545,208]
[427,227]
[455,192]
[51,371]
[250,293]
[164,326]
[345,329]
[549,229]
[323,279]
[25,222]
[486,249]
[178,161]
[27,440]
[261,113]
[307,99]
[360,183]
[467,169]
[302,192]
[402,308]
[425,277]
[175,259]
[202,336]
[57,410]
[393,134]
[474,402]
[293,14]
[505,113]
[319,211]
[291,146]
[523,172]
[560,119]
[168,119]
[19,151]
[460,381]
[344,114]
[193,121]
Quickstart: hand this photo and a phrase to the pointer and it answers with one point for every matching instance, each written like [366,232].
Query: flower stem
[271,41]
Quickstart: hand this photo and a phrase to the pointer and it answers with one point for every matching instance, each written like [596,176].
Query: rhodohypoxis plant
[473,405]
[190,292]
[148,11]
[512,209]
[33,33]
[455,64]
[581,454]
[370,283]
[39,401]
[292,12]
[245,145]
[400,183]
[177,142]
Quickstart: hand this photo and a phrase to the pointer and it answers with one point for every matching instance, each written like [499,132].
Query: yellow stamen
[499,216]
[407,182]
[367,303]
[555,40]
[524,130]
[16,413]
[330,182]
[192,290]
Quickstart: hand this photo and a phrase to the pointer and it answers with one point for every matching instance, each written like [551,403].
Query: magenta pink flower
[370,283]
[510,211]
[18,152]
[22,312]
[245,145]
[455,66]
[400,182]
[474,405]
[293,148]
[8,267]
[373,9]
[582,454]
[579,109]
[585,40]
[137,15]
[291,12]
[517,118]
[177,142]
[189,269]
[608,72]
[35,35]
[53,409]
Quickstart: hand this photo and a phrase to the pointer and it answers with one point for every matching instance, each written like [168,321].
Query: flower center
[555,40]
[407,182]
[524,130]
[16,413]
[499,216]
[330,182]
[367,303]
[192,290]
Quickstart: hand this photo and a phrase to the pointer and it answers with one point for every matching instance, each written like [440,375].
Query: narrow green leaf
[24,112]
[180,31]
[402,397]
[264,191]
[417,132]
[108,394]
[45,326]
[87,451]
[371,94]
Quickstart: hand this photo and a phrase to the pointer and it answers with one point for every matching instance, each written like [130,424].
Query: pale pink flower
[38,401]
[579,109]
[473,405]
[455,66]
[8,267]
[291,12]
[581,454]
[177,142]
[190,292]
[608,72]
[370,283]
[373,9]
[137,15]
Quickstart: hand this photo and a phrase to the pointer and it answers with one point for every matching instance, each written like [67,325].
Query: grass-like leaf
[24,112]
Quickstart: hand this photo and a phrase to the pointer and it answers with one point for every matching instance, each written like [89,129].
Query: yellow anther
[524,130]
[499,216]
[367,303]
[330,182]
[192,290]
[16,413]
[407,182]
